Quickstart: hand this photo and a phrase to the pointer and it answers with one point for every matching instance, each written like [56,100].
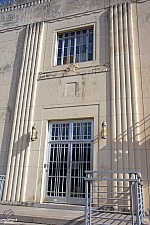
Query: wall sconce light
[34,133]
[104,130]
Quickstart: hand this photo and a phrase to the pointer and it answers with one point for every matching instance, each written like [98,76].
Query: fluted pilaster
[19,149]
[124,111]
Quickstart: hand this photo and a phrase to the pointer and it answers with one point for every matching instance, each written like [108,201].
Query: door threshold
[59,206]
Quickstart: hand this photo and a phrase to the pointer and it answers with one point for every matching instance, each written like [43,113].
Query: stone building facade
[66,66]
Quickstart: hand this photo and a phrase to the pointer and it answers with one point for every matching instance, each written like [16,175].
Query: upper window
[75,47]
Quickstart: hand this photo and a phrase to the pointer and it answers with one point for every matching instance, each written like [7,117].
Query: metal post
[141,207]
[90,200]
[86,202]
[142,197]
[131,199]
[137,203]
[132,193]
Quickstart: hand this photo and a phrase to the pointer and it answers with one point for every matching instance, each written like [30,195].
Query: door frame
[68,199]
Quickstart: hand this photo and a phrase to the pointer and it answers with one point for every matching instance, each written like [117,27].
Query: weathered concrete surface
[43,215]
[51,216]
[86,91]
[22,12]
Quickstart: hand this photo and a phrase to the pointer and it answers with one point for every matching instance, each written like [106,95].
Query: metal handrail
[112,201]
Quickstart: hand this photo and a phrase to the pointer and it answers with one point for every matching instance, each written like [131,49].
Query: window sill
[78,65]
[74,69]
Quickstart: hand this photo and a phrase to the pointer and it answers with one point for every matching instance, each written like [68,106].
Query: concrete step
[59,206]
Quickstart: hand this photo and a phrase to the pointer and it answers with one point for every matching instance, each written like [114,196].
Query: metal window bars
[70,154]
[2,180]
[113,197]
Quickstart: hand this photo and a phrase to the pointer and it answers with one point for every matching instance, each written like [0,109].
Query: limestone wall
[114,87]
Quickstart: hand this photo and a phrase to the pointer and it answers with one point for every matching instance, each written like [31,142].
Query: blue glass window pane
[90,49]
[83,57]
[83,48]
[60,44]
[90,56]
[77,49]
[84,39]
[72,51]
[66,42]
[65,51]
[78,32]
[81,40]
[73,34]
[72,41]
[58,61]
[78,40]
[91,30]
[59,52]
[77,58]
[91,38]
[66,35]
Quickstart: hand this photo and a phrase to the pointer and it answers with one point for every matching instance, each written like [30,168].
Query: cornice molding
[11,6]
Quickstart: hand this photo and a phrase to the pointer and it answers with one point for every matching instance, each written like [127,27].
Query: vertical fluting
[113,97]
[124,123]
[6,193]
[113,107]
[128,89]
[25,109]
[22,111]
[117,89]
[19,146]
[133,91]
[32,92]
[123,92]
[27,105]
[125,165]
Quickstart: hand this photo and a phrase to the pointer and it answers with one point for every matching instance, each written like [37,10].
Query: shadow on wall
[11,105]
[123,147]
[129,155]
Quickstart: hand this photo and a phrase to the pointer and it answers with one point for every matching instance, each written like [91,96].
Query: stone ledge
[59,206]
[28,204]
[73,70]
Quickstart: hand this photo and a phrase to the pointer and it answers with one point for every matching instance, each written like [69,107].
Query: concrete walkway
[53,215]
[34,215]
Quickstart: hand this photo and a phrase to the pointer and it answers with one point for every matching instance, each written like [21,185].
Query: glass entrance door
[70,154]
[80,161]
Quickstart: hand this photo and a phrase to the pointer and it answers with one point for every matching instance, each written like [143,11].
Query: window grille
[70,154]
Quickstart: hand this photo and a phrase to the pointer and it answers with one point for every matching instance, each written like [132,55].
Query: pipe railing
[113,196]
